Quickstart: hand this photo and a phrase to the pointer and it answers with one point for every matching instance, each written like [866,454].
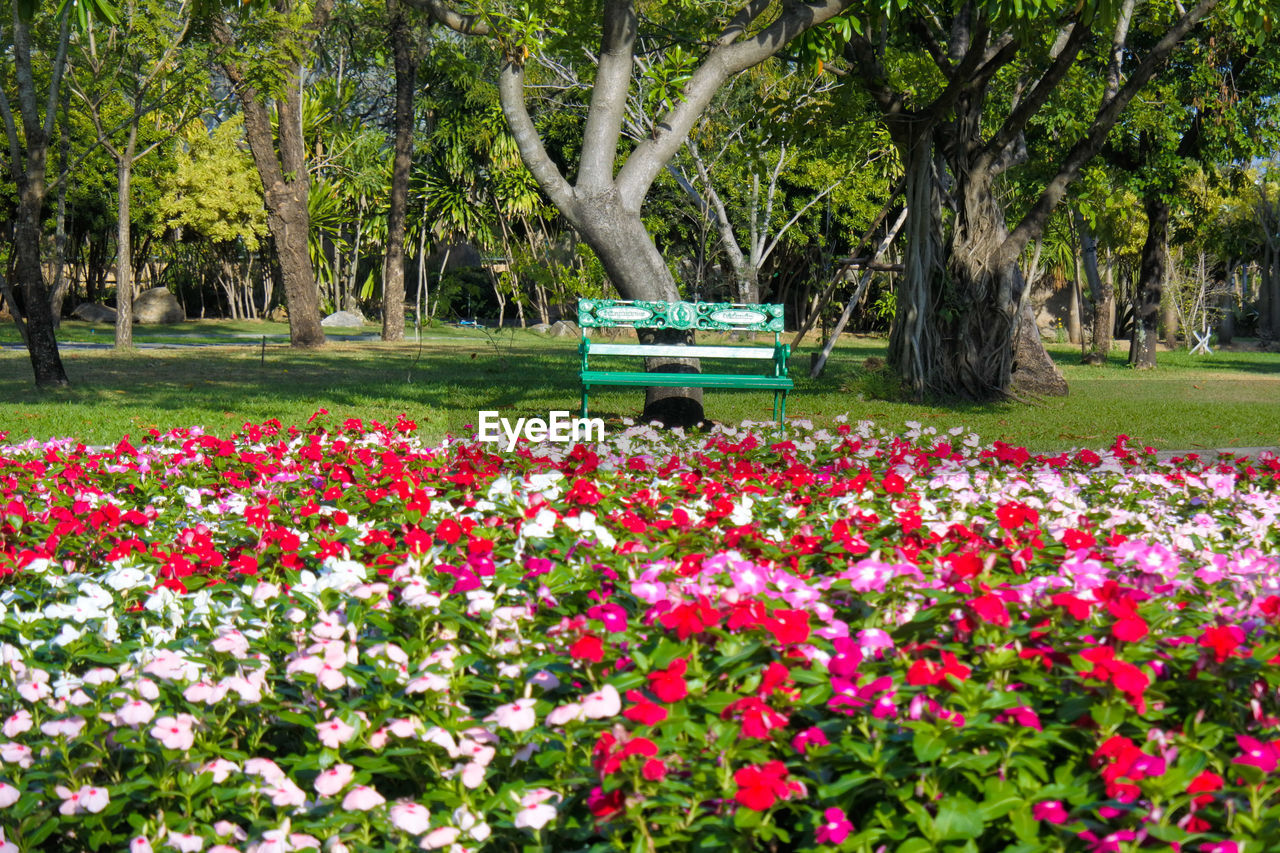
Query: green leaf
[928,745]
[1001,797]
[958,818]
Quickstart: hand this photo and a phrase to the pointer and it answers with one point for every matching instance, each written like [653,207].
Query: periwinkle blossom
[333,779]
[334,732]
[8,795]
[409,817]
[362,798]
[517,716]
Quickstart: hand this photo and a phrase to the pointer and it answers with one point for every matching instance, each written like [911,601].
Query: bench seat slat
[675,351]
[684,380]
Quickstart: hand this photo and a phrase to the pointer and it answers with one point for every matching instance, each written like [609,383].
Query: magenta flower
[1049,810]
[835,828]
[812,736]
[1258,754]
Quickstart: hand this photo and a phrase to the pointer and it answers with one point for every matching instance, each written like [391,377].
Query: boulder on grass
[92,312]
[563,329]
[540,328]
[157,305]
[343,320]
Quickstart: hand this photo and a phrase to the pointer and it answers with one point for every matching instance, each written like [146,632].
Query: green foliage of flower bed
[837,639]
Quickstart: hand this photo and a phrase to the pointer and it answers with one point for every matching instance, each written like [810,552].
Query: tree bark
[1151,277]
[406,67]
[124,246]
[29,163]
[284,179]
[1101,295]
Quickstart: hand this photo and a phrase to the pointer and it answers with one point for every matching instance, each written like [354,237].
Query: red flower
[787,626]
[1014,514]
[761,785]
[583,492]
[643,711]
[604,806]
[688,618]
[655,770]
[757,718]
[669,684]
[893,484]
[448,530]
[990,608]
[1127,678]
[1225,641]
[588,648]
[1204,785]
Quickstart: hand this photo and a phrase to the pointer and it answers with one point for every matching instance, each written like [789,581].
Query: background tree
[37,94]
[263,57]
[962,323]
[603,201]
[136,68]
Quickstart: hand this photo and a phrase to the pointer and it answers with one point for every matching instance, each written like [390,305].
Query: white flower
[410,817]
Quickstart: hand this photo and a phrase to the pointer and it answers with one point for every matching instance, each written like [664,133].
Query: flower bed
[333,636]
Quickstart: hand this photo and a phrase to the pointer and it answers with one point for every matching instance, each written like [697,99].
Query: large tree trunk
[284,180]
[124,255]
[42,344]
[962,329]
[406,67]
[1101,295]
[637,270]
[1151,275]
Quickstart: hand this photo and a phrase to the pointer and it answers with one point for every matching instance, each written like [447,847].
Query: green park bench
[699,316]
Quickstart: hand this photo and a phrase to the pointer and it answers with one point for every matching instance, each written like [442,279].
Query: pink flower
[1049,810]
[333,780]
[286,793]
[87,799]
[140,844]
[565,713]
[17,723]
[535,816]
[221,768]
[185,843]
[233,643]
[440,837]
[135,713]
[8,795]
[16,753]
[811,736]
[333,732]
[265,768]
[602,704]
[362,798]
[410,817]
[67,727]
[175,732]
[871,641]
[518,716]
[835,828]
[1264,756]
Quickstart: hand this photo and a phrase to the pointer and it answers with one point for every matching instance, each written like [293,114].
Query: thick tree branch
[648,159]
[532,151]
[1033,223]
[1037,98]
[441,13]
[608,95]
[741,20]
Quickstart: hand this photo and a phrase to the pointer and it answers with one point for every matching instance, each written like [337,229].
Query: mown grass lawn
[1229,399]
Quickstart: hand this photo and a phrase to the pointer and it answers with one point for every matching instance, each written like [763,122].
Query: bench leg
[584,401]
